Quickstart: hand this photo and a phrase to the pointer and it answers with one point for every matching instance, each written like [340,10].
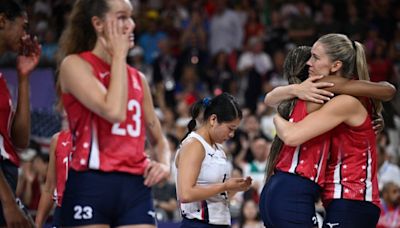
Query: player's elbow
[389,93]
[115,116]
[291,139]
[268,101]
[185,197]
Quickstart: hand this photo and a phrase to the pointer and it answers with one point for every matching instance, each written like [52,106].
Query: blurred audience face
[250,210]
[251,124]
[260,149]
[391,194]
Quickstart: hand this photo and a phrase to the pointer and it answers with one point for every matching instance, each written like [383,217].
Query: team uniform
[8,154]
[62,155]
[106,154]
[215,168]
[288,198]
[351,194]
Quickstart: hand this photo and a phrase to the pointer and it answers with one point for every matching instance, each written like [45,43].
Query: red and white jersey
[309,159]
[99,144]
[351,171]
[7,149]
[62,157]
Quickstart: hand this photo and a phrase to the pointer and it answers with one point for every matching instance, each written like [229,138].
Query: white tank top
[215,168]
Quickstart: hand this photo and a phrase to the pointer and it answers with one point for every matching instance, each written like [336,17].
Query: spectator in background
[183,114]
[173,143]
[236,202]
[381,69]
[164,195]
[259,148]
[301,28]
[226,30]
[165,74]
[172,16]
[253,26]
[276,34]
[387,171]
[255,57]
[15,124]
[274,77]
[49,48]
[327,23]
[193,44]
[190,83]
[390,206]
[150,38]
[31,184]
[136,59]
[380,66]
[195,29]
[354,27]
[219,75]
[371,40]
[253,66]
[249,216]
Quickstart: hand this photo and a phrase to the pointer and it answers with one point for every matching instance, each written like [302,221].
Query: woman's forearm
[279,94]
[383,90]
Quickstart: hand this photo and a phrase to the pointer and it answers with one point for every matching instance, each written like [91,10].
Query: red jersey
[7,150]
[309,159]
[351,170]
[99,144]
[62,157]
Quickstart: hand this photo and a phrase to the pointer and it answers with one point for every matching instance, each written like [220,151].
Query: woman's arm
[383,91]
[46,199]
[342,108]
[21,125]
[76,76]
[309,90]
[160,170]
[191,156]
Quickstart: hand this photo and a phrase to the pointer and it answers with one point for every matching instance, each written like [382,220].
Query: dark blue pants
[343,213]
[288,200]
[114,198]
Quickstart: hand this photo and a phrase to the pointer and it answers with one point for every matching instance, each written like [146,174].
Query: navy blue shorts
[11,174]
[115,198]
[346,213]
[195,223]
[288,200]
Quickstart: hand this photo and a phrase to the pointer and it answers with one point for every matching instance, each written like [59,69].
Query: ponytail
[361,69]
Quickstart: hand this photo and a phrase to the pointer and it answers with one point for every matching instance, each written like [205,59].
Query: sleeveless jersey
[99,144]
[62,157]
[309,159]
[352,171]
[7,149]
[214,169]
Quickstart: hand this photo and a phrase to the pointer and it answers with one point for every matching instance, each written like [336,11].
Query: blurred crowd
[191,49]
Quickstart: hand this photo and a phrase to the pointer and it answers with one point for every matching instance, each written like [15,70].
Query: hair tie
[354,45]
[206,102]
